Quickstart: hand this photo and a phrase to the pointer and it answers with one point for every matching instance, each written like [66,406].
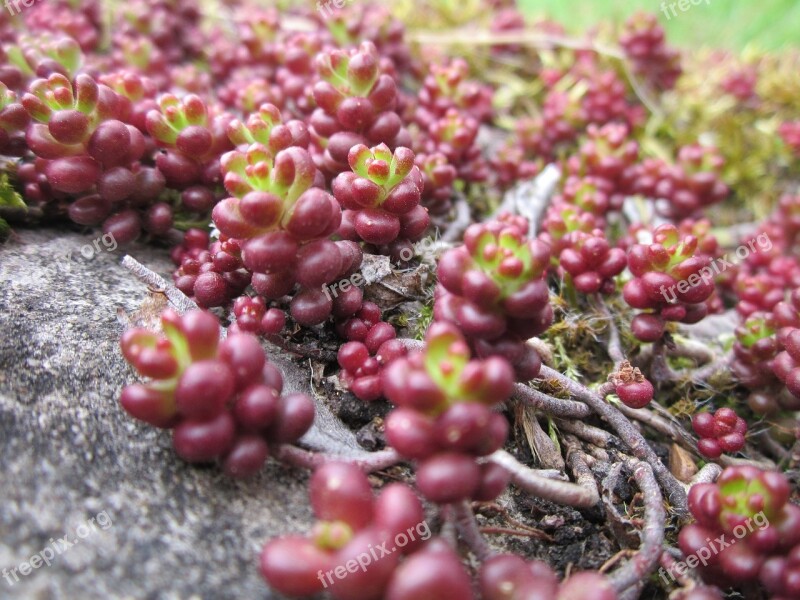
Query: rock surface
[68,452]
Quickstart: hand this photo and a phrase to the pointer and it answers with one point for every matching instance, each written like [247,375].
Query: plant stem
[579,494]
[760,462]
[311,460]
[628,433]
[548,404]
[661,424]
[614,344]
[448,530]
[669,563]
[155,281]
[577,461]
[695,350]
[708,474]
[460,221]
[593,435]
[703,374]
[468,528]
[659,369]
[636,571]
[768,444]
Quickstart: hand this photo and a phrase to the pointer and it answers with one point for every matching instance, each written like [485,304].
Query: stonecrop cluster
[757,530]
[723,431]
[367,548]
[493,288]
[444,416]
[351,525]
[221,399]
[594,233]
[671,279]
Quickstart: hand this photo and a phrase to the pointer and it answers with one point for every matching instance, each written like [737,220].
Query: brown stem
[636,571]
[311,460]
[468,528]
[606,389]
[448,530]
[708,474]
[795,455]
[533,533]
[594,435]
[758,463]
[703,374]
[668,563]
[548,404]
[771,447]
[697,351]
[599,454]
[573,494]
[155,281]
[552,474]
[689,580]
[661,425]
[546,452]
[659,369]
[576,460]
[614,344]
[629,434]
[460,221]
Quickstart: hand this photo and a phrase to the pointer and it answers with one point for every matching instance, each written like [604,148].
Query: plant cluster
[671,281]
[494,289]
[444,418]
[381,195]
[720,432]
[222,400]
[769,309]
[350,523]
[509,577]
[752,508]
[372,346]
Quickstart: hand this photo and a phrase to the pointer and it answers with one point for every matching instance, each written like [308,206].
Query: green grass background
[767,24]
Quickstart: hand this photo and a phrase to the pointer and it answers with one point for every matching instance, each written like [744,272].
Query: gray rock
[69,453]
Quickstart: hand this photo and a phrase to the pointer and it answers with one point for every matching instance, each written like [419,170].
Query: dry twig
[636,571]
[581,494]
[628,433]
[311,460]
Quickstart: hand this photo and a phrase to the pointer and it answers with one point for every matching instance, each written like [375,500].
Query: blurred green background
[768,24]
